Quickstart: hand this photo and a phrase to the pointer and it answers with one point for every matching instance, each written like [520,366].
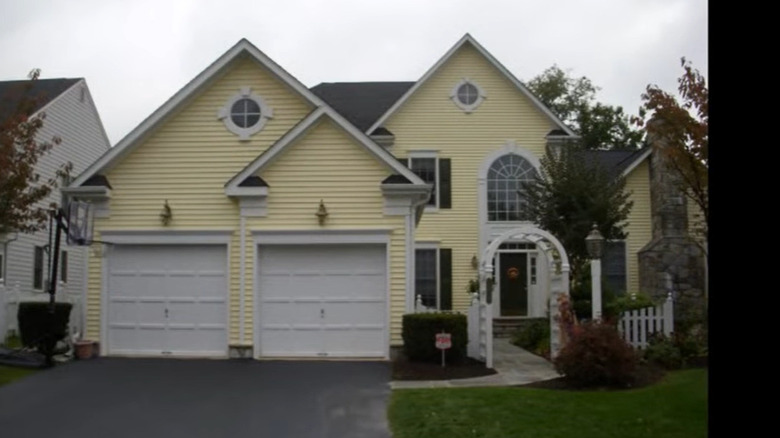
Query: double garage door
[312,300]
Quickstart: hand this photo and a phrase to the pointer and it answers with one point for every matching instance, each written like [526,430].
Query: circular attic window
[467,95]
[245,114]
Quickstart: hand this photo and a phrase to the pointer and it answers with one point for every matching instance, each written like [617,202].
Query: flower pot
[85,349]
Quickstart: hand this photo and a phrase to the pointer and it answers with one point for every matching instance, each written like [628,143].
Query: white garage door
[323,300]
[167,299]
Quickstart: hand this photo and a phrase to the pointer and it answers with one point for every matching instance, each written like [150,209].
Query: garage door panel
[174,295]
[354,312]
[323,300]
[351,342]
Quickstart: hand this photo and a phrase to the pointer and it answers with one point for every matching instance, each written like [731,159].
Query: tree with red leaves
[684,127]
[22,188]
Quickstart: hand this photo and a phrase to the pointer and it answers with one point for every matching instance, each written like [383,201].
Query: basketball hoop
[80,223]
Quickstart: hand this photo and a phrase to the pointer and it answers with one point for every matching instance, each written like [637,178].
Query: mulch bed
[403,369]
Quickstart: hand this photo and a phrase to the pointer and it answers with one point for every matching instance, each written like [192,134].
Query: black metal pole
[50,340]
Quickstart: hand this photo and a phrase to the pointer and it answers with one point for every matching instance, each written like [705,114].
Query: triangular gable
[300,130]
[470,40]
[136,136]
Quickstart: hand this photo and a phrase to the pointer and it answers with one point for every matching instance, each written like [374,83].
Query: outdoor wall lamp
[595,243]
[166,214]
[474,262]
[322,213]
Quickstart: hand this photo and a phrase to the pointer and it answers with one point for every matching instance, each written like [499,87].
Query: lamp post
[595,244]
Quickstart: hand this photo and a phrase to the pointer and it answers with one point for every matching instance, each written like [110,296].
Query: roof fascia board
[186,92]
[637,161]
[469,39]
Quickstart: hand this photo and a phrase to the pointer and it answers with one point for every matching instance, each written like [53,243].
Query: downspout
[242,281]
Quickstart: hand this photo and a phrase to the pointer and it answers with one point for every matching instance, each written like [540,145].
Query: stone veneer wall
[672,259]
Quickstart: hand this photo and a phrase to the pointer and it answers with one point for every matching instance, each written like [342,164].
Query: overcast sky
[136,54]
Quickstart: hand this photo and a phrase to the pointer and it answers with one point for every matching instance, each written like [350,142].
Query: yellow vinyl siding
[187,161]
[329,165]
[640,228]
[429,120]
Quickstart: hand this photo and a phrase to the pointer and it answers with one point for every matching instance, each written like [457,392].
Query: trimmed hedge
[419,335]
[33,320]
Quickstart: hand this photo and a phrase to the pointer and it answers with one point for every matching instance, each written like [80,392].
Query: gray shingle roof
[615,161]
[362,103]
[43,90]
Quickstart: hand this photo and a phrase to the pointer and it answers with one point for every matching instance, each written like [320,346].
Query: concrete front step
[506,326]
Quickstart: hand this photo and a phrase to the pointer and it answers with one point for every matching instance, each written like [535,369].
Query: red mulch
[403,369]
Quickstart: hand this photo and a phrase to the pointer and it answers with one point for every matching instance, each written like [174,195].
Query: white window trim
[428,154]
[434,246]
[266,113]
[481,96]
[2,263]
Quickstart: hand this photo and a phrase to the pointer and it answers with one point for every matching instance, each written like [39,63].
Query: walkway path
[515,366]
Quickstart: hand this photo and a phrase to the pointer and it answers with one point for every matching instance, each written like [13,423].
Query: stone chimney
[673,259]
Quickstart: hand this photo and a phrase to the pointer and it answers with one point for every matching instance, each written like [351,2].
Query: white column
[595,278]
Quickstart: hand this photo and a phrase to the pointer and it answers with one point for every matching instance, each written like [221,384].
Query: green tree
[573,100]
[22,188]
[571,193]
[683,127]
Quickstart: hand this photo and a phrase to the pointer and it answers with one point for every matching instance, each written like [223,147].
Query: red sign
[443,341]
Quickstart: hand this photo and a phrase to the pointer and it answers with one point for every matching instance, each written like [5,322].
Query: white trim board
[470,40]
[308,237]
[165,237]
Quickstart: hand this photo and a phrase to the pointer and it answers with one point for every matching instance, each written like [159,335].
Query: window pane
[245,113]
[425,168]
[38,268]
[426,276]
[506,178]
[64,266]
[467,94]
[614,266]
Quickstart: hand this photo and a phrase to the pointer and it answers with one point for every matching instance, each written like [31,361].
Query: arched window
[505,180]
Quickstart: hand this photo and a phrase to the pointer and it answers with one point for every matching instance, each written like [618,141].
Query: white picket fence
[637,326]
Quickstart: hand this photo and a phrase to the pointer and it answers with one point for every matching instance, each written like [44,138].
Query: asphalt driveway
[117,397]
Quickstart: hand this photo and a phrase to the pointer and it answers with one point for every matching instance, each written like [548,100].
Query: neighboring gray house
[72,116]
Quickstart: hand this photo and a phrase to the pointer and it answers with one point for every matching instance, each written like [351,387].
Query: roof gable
[301,129]
[241,49]
[43,91]
[468,39]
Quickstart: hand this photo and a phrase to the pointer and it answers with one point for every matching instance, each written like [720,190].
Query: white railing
[637,326]
[420,308]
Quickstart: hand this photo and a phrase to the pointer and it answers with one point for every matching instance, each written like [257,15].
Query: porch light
[166,214]
[474,262]
[595,243]
[322,213]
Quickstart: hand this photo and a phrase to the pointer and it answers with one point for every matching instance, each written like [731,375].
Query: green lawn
[676,407]
[9,374]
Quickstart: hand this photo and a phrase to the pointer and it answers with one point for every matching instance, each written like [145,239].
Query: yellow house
[251,215]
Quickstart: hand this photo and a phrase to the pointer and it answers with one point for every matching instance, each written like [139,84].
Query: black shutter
[445,183]
[445,278]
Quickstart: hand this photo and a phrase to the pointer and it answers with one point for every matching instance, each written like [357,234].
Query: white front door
[323,300]
[167,300]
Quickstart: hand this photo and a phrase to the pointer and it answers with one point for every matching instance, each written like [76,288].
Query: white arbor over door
[558,268]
